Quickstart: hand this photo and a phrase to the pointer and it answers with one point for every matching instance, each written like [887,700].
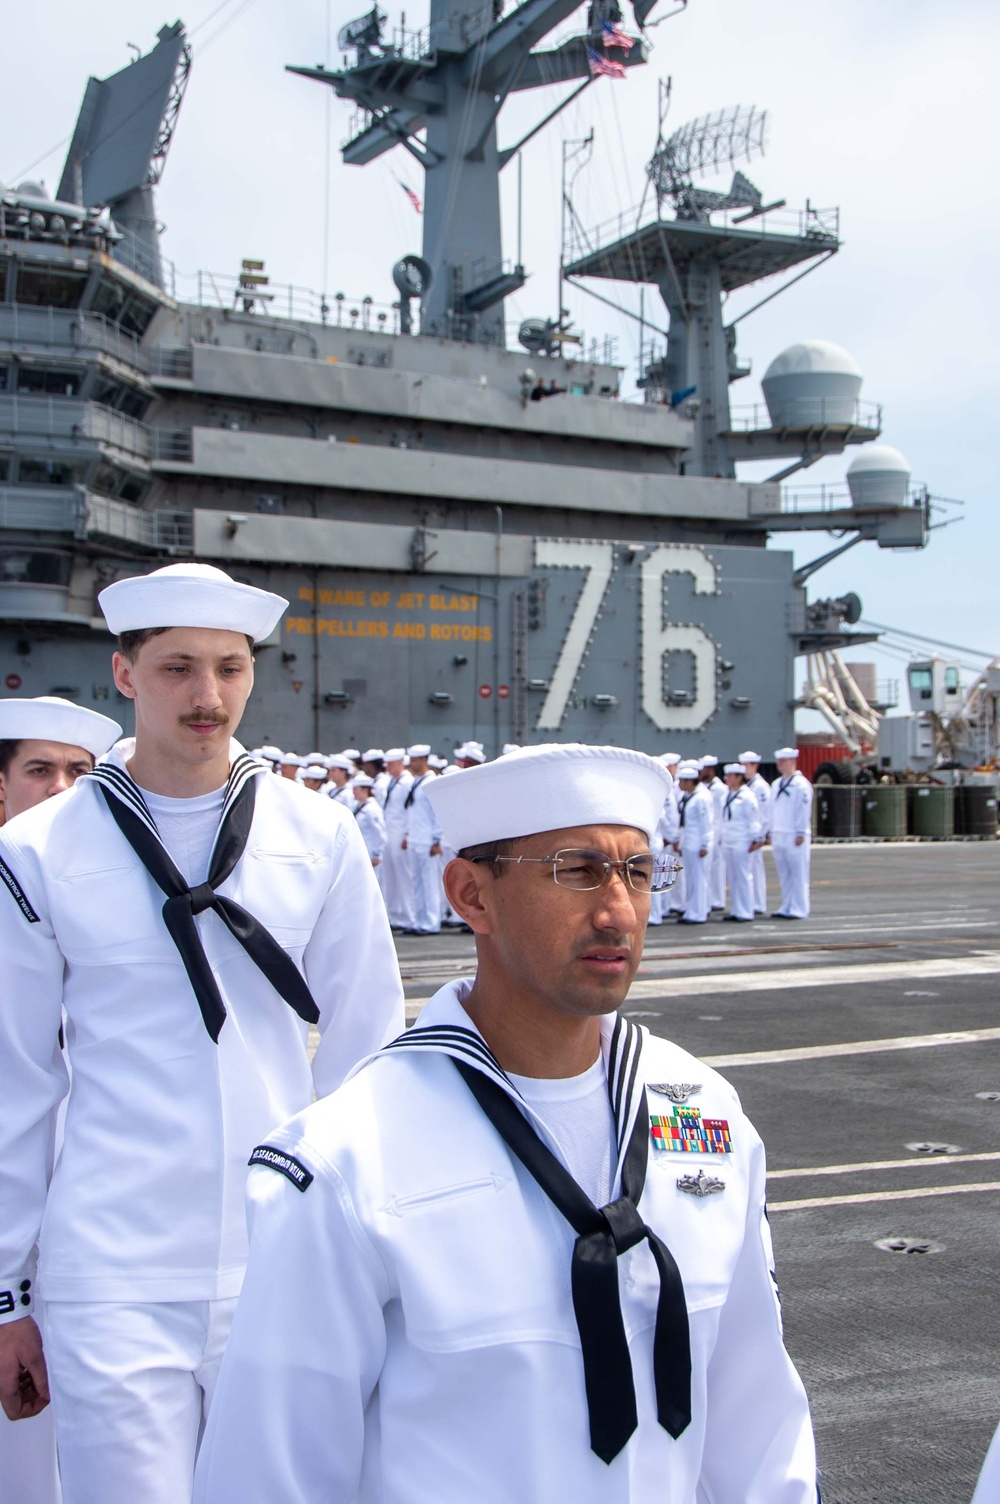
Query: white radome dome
[813,355]
[879,477]
[814,381]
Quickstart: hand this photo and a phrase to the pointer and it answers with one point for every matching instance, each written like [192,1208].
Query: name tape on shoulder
[17,893]
[285,1164]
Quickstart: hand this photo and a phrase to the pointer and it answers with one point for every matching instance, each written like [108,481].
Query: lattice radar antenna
[364,33]
[709,144]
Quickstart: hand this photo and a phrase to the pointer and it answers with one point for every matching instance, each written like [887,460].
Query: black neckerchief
[131,814]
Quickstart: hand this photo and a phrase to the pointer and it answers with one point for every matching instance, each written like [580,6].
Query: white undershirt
[577,1112]
[188,828]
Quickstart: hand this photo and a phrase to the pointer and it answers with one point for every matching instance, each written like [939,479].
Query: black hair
[8,751]
[129,643]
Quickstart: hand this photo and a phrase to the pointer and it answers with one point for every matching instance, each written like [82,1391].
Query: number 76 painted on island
[657,635]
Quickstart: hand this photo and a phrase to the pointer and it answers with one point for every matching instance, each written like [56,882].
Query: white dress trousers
[28,1472]
[135,1383]
[761,790]
[396,884]
[718,791]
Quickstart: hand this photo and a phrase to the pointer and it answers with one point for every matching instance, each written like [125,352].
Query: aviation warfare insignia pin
[685,1131]
[700,1184]
[676,1092]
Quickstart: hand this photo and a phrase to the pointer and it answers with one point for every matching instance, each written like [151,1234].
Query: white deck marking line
[857,1047]
[913,1195]
[801,977]
[881,1164]
[818,976]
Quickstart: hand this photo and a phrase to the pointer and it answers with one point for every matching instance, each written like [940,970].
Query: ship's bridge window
[122,398]
[49,287]
[32,471]
[951,680]
[4,468]
[922,682]
[122,306]
[52,383]
[3,378]
[40,567]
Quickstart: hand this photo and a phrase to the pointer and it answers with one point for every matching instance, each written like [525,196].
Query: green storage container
[883,811]
[932,812]
[838,810]
[976,811]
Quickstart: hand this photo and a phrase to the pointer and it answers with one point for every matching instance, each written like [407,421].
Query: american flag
[613,36]
[414,200]
[604,66]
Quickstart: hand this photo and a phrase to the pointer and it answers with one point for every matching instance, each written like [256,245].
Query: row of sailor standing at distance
[720,826]
[386,790]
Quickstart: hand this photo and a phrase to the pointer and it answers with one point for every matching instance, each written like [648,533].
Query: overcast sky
[883,107]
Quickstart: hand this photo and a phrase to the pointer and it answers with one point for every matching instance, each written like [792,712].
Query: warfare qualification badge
[677,1093]
[700,1184]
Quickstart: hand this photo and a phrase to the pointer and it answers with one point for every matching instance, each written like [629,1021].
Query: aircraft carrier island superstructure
[461,558]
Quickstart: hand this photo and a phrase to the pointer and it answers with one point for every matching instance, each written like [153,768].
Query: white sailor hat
[471,752]
[315,771]
[735,767]
[708,761]
[273,754]
[312,758]
[749,757]
[352,752]
[374,754]
[551,787]
[342,761]
[190,595]
[688,770]
[51,719]
[509,747]
[784,752]
[438,762]
[291,760]
[394,754]
[671,759]
[362,781]
[419,749]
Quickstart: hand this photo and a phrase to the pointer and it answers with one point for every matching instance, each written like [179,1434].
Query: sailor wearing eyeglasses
[522,1253]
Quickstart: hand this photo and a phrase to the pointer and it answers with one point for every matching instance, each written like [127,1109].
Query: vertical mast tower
[439,94]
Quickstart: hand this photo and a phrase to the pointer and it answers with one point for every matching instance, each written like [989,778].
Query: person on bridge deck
[396,886]
[46,744]
[709,767]
[761,790]
[740,832]
[423,844]
[462,1322]
[791,834]
[695,841]
[186,916]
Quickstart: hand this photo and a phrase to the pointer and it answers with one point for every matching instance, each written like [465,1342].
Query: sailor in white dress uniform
[740,831]
[709,767]
[371,822]
[695,842]
[45,745]
[423,843]
[463,1323]
[340,771]
[761,790]
[791,834]
[186,1024]
[396,885]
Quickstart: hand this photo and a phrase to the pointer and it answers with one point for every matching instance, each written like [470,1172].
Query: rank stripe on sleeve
[11,883]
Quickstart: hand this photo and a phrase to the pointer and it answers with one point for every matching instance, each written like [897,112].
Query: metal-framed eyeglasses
[583,871]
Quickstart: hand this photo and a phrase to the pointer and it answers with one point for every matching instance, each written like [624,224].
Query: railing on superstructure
[70,418]
[809,223]
[836,497]
[72,330]
[807,412]
[82,514]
